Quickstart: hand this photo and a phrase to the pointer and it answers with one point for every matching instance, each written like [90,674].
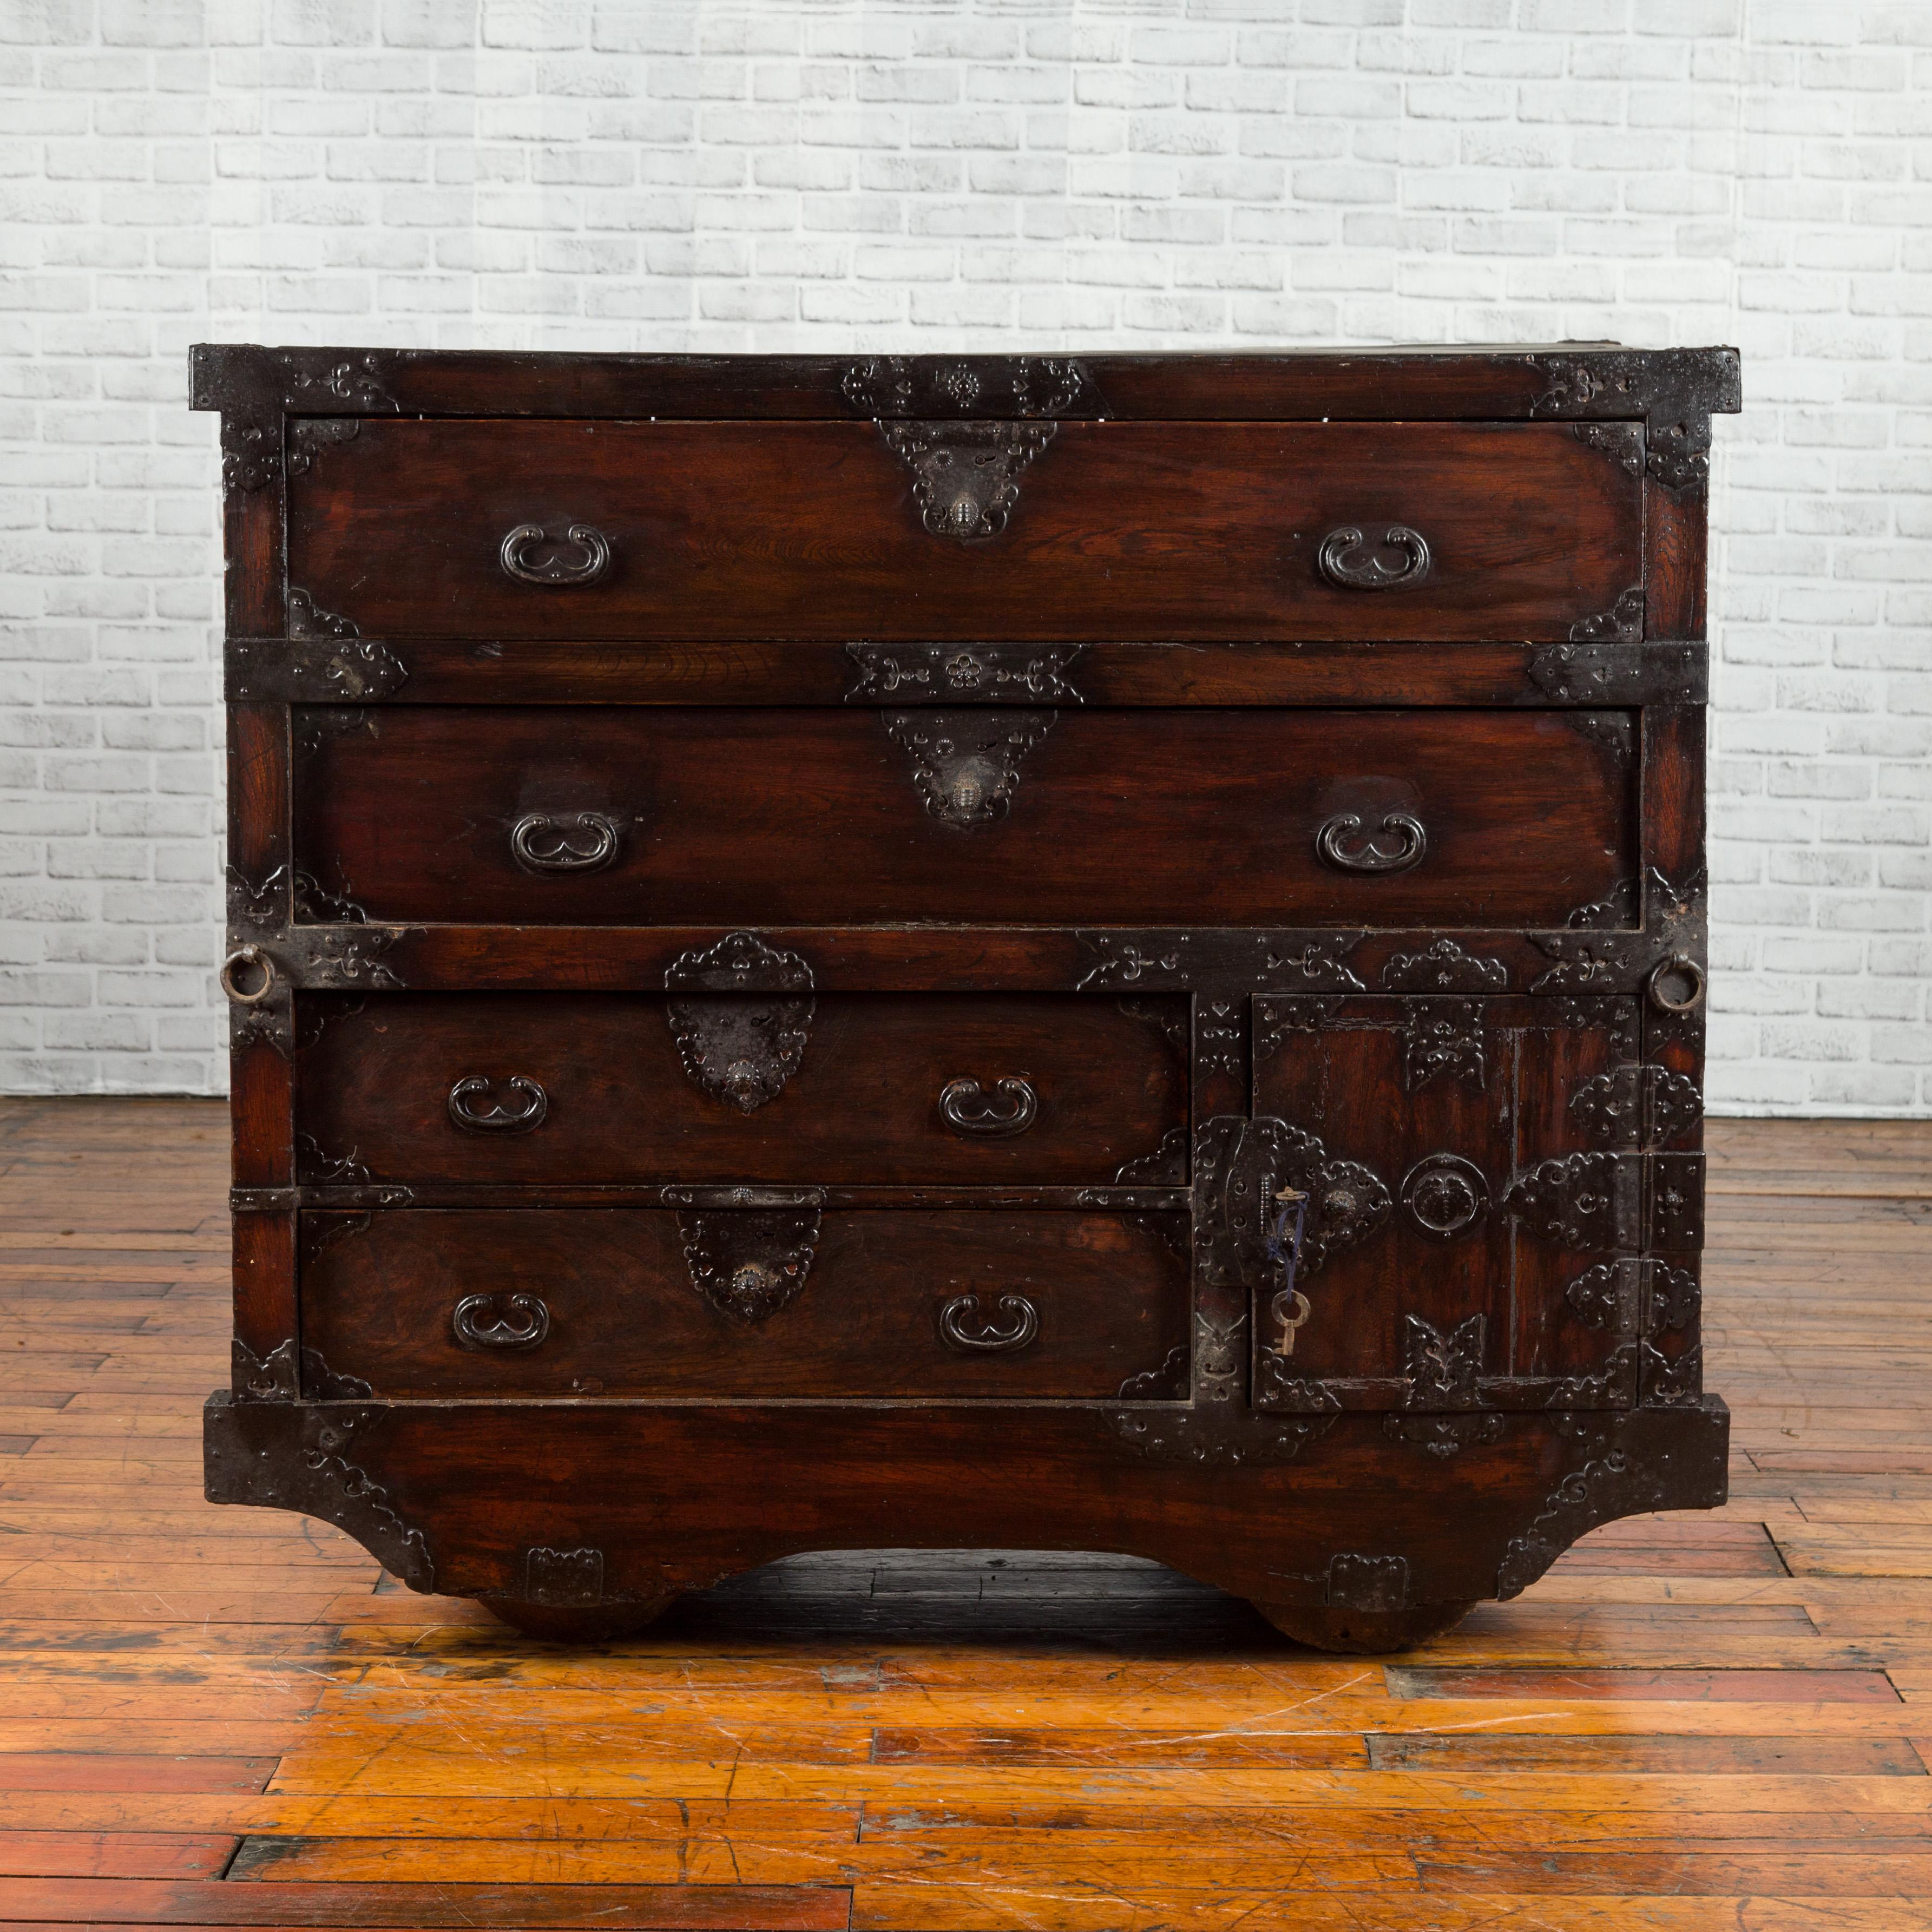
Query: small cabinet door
[1482,1183]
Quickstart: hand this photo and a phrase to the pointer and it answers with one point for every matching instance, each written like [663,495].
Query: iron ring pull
[1350,564]
[1684,968]
[966,1109]
[1368,855]
[497,1120]
[585,843]
[255,960]
[1022,1317]
[554,571]
[473,1332]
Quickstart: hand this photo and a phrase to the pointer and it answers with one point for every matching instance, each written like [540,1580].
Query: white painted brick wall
[561,174]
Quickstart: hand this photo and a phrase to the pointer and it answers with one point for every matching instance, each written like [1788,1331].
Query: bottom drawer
[773,1302]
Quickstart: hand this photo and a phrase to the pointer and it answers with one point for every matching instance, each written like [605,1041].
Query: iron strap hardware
[1247,1173]
[1631,1201]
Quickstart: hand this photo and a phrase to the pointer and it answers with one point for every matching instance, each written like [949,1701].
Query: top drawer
[1131,531]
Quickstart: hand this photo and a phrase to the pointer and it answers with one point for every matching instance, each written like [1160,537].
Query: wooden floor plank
[123,1772]
[731,1908]
[229,1717]
[114,1854]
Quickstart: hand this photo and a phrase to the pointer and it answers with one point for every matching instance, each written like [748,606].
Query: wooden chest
[797,925]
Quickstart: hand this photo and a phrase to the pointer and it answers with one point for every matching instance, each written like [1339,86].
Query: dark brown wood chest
[799,927]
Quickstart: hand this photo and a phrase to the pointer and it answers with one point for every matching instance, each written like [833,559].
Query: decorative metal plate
[967,763]
[736,1046]
[749,1263]
[978,385]
[1443,1036]
[966,476]
[964,673]
[1637,1106]
[1237,1162]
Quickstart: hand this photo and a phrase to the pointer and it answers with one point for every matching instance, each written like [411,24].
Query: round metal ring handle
[249,956]
[1445,1195]
[1020,1317]
[1351,564]
[966,1110]
[497,1119]
[1368,852]
[1680,966]
[587,843]
[531,1326]
[521,544]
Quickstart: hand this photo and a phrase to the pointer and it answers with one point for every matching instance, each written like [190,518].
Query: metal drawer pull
[1345,561]
[1021,1318]
[474,1333]
[967,1110]
[464,1112]
[1678,966]
[540,844]
[250,959]
[1411,842]
[522,542]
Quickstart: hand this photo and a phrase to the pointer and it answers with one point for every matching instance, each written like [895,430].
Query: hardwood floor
[228,1717]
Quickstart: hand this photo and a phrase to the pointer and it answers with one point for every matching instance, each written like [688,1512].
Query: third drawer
[1049,1089]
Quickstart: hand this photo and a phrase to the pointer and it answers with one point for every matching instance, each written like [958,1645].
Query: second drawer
[1054,1090]
[756,817]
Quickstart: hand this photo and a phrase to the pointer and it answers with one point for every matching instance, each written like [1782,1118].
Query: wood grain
[1122,530]
[863,1106]
[1204,817]
[1109,1294]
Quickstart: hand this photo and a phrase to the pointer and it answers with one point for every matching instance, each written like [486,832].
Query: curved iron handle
[1411,842]
[966,1109]
[540,844]
[536,1105]
[515,555]
[473,1333]
[1020,1313]
[1364,570]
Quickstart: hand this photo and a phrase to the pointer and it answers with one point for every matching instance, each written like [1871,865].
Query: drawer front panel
[1124,530]
[420,1303]
[1490,1154]
[758,818]
[1052,1090]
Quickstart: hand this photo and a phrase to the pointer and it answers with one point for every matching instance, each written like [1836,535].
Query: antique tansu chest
[801,929]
